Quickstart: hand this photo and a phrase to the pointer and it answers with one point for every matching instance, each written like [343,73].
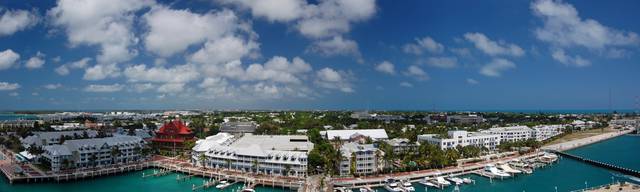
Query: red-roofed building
[172,135]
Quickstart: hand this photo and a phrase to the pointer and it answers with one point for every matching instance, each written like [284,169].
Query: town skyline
[365,55]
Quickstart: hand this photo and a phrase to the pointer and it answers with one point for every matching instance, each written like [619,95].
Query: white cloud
[177,74]
[14,94]
[272,10]
[563,27]
[52,86]
[6,86]
[142,87]
[417,73]
[332,79]
[386,67]
[493,48]
[464,52]
[98,88]
[172,31]
[442,62]
[405,84]
[472,81]
[224,50]
[278,69]
[79,64]
[171,88]
[336,46]
[36,61]
[496,67]
[426,43]
[107,24]
[562,57]
[101,71]
[16,20]
[8,58]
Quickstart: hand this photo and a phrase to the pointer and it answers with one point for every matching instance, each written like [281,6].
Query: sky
[320,54]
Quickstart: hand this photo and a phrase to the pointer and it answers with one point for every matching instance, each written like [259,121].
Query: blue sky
[326,54]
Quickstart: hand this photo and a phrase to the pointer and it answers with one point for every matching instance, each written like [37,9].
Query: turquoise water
[122,183]
[566,174]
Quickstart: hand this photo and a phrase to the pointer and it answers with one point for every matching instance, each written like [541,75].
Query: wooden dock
[205,185]
[623,170]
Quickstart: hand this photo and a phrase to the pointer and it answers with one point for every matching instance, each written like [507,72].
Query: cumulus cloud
[35,62]
[471,81]
[107,24]
[8,58]
[336,46]
[496,67]
[442,62]
[101,71]
[172,31]
[332,79]
[79,64]
[426,43]
[562,57]
[142,87]
[386,67]
[13,21]
[52,86]
[101,88]
[564,29]
[405,84]
[272,10]
[225,49]
[176,74]
[493,48]
[6,86]
[416,73]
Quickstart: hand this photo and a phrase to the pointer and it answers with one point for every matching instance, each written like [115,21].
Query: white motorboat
[455,180]
[428,182]
[507,169]
[406,185]
[548,158]
[223,184]
[392,185]
[366,189]
[248,190]
[441,181]
[493,170]
[467,180]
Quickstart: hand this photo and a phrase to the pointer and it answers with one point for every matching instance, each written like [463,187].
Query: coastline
[568,145]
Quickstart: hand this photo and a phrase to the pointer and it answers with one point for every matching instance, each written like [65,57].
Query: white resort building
[96,152]
[54,137]
[462,138]
[359,159]
[544,132]
[511,134]
[355,134]
[269,154]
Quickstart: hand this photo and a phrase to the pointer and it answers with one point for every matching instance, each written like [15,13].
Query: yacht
[467,180]
[248,190]
[392,185]
[548,158]
[493,171]
[223,184]
[406,185]
[507,169]
[441,181]
[455,180]
[426,181]
[366,189]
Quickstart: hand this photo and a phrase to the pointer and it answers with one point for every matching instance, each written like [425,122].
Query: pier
[623,170]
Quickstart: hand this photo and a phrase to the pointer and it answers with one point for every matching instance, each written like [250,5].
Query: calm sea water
[132,181]
[11,116]
[566,174]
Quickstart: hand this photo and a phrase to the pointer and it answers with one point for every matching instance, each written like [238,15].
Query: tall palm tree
[255,165]
[202,158]
[228,162]
[115,152]
[287,168]
[92,159]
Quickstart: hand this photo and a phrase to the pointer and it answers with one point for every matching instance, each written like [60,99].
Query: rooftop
[375,134]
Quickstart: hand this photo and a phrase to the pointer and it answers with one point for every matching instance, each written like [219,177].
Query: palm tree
[228,162]
[287,168]
[137,150]
[92,159]
[202,158]
[66,163]
[255,165]
[115,151]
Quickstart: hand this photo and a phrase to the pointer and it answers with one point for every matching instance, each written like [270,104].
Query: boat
[406,185]
[441,181]
[392,185]
[366,189]
[223,184]
[342,189]
[467,180]
[548,158]
[493,171]
[505,168]
[455,180]
[248,190]
[428,182]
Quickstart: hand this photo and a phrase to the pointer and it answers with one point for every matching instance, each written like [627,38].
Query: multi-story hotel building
[462,138]
[511,134]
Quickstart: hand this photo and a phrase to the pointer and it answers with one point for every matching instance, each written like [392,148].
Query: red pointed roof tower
[172,135]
